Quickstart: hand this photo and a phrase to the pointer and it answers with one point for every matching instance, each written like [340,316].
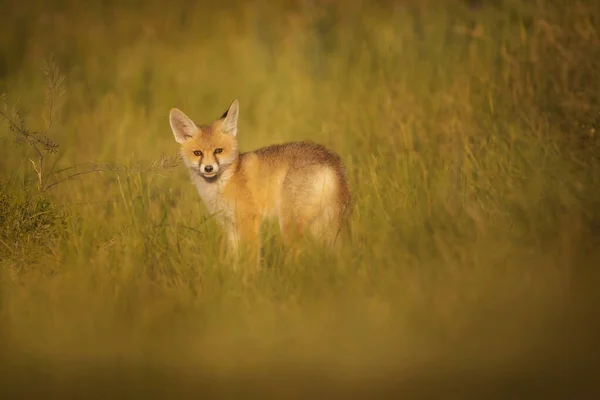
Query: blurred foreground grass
[470,133]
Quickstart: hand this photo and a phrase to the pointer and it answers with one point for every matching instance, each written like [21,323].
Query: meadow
[470,135]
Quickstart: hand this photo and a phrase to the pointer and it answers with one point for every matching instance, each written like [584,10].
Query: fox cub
[302,184]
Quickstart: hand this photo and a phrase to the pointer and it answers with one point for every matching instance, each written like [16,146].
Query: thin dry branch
[155,167]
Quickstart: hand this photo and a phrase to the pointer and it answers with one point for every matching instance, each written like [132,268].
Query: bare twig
[52,169]
[43,145]
[38,140]
[155,167]
[17,124]
[73,176]
[72,167]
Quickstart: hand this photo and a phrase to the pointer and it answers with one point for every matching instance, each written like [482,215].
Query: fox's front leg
[233,244]
[243,238]
[249,238]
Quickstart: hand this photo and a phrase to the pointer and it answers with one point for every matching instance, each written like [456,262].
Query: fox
[302,184]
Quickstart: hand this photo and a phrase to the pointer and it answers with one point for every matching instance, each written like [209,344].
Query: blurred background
[470,133]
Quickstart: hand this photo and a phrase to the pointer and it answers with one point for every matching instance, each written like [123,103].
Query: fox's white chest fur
[212,195]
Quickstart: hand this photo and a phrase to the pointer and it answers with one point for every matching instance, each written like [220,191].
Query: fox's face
[208,150]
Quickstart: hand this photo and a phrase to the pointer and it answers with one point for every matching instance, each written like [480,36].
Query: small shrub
[26,220]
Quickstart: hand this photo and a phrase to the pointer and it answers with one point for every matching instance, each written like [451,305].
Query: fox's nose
[208,168]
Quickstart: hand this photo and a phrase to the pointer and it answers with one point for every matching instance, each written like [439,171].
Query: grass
[470,134]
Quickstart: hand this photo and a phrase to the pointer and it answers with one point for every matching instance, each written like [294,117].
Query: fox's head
[208,150]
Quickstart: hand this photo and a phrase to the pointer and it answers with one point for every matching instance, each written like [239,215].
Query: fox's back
[298,155]
[302,171]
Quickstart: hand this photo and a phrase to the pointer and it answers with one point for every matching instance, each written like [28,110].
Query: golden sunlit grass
[470,137]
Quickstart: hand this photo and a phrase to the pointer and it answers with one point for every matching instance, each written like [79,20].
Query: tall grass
[471,140]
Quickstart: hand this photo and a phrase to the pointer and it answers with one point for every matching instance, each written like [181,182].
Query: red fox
[303,184]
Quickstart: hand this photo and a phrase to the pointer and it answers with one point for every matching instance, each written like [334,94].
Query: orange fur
[302,184]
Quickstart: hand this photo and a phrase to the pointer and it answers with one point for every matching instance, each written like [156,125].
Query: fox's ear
[230,119]
[182,126]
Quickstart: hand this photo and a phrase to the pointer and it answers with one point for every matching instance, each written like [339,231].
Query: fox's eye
[218,151]
[197,153]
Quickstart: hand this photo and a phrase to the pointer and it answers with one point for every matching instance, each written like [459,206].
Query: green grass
[471,141]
